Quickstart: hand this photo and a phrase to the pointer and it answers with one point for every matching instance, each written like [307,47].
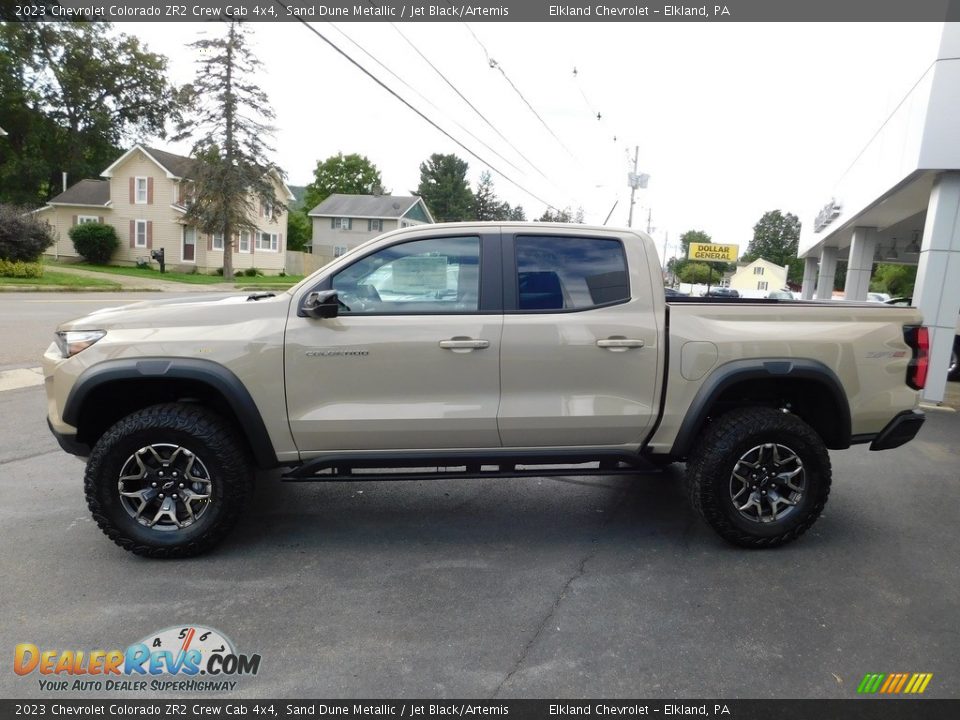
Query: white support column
[860,263]
[828,269]
[937,290]
[810,266]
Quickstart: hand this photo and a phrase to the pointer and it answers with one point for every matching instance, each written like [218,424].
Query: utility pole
[666,236]
[633,183]
[649,221]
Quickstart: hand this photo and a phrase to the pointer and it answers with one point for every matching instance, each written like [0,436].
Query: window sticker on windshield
[420,274]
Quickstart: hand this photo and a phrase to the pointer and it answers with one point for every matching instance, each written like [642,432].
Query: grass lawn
[197,279]
[54,278]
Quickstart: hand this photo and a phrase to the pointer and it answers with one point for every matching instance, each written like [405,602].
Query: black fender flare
[753,369]
[207,372]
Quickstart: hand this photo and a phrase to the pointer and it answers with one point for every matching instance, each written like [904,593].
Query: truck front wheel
[759,476]
[168,481]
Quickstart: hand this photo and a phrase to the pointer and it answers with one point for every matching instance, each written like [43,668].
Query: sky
[731,120]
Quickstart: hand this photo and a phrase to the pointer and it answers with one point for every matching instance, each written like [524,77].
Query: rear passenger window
[570,273]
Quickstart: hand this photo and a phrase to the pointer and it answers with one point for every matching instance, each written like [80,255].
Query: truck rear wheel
[759,476]
[168,481]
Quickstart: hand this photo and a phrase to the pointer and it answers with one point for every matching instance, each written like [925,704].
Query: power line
[421,96]
[467,101]
[417,111]
[496,66]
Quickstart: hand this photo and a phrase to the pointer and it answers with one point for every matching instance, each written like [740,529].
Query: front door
[189,244]
[579,355]
[411,362]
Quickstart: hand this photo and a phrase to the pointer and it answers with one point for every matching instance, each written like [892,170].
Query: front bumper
[69,442]
[902,429]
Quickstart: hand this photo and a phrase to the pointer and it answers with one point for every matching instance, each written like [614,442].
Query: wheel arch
[110,390]
[811,388]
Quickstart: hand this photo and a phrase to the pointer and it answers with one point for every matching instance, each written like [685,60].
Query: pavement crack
[561,594]
[29,457]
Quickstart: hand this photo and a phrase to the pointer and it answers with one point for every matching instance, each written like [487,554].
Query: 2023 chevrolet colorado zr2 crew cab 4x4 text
[476,349]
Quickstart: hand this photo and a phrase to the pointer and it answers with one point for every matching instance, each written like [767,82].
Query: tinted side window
[436,275]
[568,273]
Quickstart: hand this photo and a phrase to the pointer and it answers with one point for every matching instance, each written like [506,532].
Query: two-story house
[341,222]
[144,195]
[758,278]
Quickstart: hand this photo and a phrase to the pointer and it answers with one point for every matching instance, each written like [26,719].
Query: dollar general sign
[709,252]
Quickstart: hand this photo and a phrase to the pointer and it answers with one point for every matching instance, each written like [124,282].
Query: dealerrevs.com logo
[171,660]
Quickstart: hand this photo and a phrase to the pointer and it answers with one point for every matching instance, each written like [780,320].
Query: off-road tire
[724,442]
[955,373]
[210,438]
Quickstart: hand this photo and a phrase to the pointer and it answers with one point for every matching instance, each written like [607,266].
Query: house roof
[366,206]
[85,192]
[177,165]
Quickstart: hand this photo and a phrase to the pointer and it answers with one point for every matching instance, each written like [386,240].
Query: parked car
[722,292]
[878,297]
[670,292]
[953,370]
[780,295]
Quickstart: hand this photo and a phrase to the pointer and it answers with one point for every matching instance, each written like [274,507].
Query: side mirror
[322,304]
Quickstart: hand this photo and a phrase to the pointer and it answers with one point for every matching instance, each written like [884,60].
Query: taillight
[918,338]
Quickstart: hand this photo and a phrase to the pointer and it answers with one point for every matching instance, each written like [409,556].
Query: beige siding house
[341,222]
[758,278]
[144,195]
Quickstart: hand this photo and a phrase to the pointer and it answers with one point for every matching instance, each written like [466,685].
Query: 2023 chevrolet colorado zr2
[476,349]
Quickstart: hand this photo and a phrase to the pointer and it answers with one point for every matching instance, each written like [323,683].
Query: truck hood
[195,309]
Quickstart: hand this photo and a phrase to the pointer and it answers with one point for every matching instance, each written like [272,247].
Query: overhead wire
[422,96]
[416,110]
[463,97]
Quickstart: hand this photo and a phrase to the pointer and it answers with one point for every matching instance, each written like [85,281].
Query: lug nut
[161,496]
[181,485]
[153,484]
[174,496]
[160,473]
[175,473]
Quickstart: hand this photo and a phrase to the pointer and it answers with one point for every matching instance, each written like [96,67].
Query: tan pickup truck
[474,350]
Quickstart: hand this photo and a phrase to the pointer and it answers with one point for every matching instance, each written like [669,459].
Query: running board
[463,465]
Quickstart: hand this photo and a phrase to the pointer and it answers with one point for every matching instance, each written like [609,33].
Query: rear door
[413,361]
[579,355]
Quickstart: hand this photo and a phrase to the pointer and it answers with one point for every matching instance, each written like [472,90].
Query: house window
[82,219]
[758,271]
[218,241]
[141,234]
[762,285]
[141,191]
[268,210]
[244,241]
[375,225]
[339,250]
[268,241]
[342,223]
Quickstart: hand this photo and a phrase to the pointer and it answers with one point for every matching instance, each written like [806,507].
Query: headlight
[71,342]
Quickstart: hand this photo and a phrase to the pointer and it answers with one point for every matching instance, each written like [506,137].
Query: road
[535,587]
[27,320]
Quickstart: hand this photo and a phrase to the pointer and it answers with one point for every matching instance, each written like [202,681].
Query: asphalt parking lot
[573,587]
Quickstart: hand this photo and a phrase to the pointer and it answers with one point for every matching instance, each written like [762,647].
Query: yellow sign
[708,252]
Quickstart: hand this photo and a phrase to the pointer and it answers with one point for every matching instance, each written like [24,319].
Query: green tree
[698,272]
[299,230]
[676,265]
[227,121]
[486,205]
[443,187]
[70,95]
[897,280]
[775,239]
[516,214]
[351,174]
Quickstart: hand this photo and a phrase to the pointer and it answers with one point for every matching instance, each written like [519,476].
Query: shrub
[219,272]
[96,242]
[20,269]
[250,272]
[23,236]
